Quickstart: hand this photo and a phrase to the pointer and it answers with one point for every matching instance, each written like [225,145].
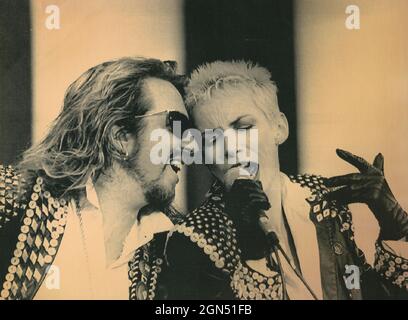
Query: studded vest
[213,233]
[32,224]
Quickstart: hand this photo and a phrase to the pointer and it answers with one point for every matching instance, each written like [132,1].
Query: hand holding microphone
[245,204]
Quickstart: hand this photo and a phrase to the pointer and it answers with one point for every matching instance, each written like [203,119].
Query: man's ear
[283,129]
[120,140]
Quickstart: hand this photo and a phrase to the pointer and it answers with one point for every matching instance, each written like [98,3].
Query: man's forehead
[162,95]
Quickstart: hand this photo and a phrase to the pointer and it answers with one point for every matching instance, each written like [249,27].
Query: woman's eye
[247,127]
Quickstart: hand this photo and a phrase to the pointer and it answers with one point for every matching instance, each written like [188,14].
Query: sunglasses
[174,120]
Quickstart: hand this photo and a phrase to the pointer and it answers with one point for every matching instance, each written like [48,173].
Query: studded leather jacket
[32,224]
[205,260]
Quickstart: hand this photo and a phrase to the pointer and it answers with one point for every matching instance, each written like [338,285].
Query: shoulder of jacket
[316,183]
[11,194]
[214,233]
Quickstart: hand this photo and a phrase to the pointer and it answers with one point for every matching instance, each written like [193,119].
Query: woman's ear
[283,129]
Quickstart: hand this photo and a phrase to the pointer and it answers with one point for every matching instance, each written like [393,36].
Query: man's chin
[159,198]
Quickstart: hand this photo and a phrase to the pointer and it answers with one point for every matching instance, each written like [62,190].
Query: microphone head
[248,171]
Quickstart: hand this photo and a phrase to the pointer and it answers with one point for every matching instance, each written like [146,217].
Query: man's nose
[184,147]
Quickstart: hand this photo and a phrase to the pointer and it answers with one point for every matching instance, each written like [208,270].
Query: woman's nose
[231,150]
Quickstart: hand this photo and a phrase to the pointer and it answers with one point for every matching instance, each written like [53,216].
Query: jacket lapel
[41,229]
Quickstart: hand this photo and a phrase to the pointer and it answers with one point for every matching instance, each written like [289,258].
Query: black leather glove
[243,203]
[370,187]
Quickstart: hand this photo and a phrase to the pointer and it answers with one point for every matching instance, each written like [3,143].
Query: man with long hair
[85,212]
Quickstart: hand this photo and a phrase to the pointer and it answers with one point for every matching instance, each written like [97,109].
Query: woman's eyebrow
[236,121]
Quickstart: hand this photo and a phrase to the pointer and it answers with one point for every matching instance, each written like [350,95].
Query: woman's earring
[125,157]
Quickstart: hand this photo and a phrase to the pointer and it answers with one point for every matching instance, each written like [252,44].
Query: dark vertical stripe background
[15,79]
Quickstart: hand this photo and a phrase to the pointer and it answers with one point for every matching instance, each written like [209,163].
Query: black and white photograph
[203,150]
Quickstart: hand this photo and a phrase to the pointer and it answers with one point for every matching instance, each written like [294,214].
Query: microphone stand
[274,250]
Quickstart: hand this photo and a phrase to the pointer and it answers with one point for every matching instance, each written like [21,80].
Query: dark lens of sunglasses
[176,119]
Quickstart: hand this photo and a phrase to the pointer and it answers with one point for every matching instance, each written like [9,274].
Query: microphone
[251,172]
[248,171]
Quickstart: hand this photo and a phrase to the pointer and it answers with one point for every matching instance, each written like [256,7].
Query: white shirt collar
[303,231]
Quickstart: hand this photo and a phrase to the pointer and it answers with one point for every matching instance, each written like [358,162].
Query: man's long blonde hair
[80,144]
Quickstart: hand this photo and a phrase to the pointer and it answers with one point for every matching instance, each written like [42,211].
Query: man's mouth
[175,163]
[176,167]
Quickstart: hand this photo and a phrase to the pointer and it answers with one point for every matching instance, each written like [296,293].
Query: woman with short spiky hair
[265,235]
